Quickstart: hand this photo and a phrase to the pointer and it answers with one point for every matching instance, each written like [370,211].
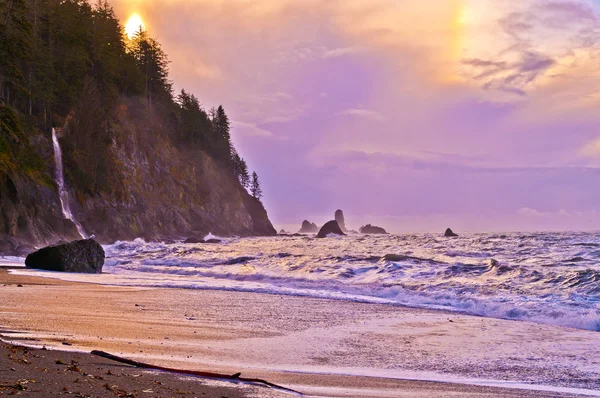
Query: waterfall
[62,191]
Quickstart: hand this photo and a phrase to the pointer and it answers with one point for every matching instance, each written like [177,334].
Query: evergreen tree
[154,65]
[194,125]
[15,39]
[221,140]
[244,174]
[255,189]
[240,168]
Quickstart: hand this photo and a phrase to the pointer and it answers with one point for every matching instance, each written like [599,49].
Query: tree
[244,174]
[154,65]
[221,147]
[255,189]
[240,168]
[15,39]
[194,125]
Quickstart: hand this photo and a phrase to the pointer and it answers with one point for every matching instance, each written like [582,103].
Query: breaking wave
[544,278]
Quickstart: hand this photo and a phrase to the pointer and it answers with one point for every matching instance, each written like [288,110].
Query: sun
[134,24]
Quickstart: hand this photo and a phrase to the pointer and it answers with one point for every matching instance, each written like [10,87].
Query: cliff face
[149,189]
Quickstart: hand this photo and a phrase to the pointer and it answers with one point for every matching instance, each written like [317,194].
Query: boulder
[308,228]
[193,240]
[372,229]
[82,256]
[332,227]
[449,233]
[339,217]
[212,241]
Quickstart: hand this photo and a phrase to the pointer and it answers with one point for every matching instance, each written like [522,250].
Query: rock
[283,232]
[239,260]
[194,240]
[83,256]
[212,241]
[339,217]
[449,233]
[308,228]
[395,257]
[372,229]
[332,227]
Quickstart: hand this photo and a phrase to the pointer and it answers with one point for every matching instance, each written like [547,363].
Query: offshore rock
[332,227]
[81,256]
[308,228]
[194,240]
[339,217]
[372,229]
[449,233]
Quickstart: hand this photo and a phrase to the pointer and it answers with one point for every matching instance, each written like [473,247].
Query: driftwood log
[234,378]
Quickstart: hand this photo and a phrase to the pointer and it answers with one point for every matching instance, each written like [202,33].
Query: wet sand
[319,347]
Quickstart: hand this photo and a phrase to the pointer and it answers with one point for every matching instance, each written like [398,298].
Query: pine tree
[244,174]
[15,39]
[154,65]
[255,189]
[240,168]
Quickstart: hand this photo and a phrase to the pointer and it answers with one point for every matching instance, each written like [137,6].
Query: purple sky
[482,115]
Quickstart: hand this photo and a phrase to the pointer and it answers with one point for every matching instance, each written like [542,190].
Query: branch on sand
[234,378]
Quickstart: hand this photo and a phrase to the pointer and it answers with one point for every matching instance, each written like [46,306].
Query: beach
[317,346]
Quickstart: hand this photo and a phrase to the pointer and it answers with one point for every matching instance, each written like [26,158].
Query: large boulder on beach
[372,229]
[332,227]
[449,233]
[81,256]
[339,217]
[308,228]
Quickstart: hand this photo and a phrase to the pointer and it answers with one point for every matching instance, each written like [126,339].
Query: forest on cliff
[58,58]
[67,64]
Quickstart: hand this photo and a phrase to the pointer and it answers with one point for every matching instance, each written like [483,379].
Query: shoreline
[228,343]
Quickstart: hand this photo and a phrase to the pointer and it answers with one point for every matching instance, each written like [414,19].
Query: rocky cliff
[136,184]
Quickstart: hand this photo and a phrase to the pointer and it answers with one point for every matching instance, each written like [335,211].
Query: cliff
[130,181]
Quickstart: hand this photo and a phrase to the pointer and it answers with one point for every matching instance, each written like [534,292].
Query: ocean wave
[548,278]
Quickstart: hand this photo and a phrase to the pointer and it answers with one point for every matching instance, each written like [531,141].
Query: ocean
[548,278]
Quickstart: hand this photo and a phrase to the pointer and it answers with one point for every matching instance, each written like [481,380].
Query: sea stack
[339,217]
[308,228]
[332,227]
[81,256]
[372,229]
[449,233]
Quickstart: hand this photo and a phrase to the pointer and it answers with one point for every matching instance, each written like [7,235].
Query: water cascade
[62,191]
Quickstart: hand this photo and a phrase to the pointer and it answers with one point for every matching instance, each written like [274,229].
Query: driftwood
[235,378]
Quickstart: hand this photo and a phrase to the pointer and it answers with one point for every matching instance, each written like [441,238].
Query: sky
[415,115]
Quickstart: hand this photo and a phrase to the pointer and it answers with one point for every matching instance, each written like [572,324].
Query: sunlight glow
[134,24]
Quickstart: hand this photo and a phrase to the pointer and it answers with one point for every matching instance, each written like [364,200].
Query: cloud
[250,129]
[205,71]
[364,113]
[512,77]
[591,149]
[481,107]
[528,212]
[343,51]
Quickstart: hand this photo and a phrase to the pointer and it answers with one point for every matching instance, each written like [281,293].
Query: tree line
[54,52]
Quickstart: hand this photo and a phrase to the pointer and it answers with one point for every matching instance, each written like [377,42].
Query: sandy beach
[319,347]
